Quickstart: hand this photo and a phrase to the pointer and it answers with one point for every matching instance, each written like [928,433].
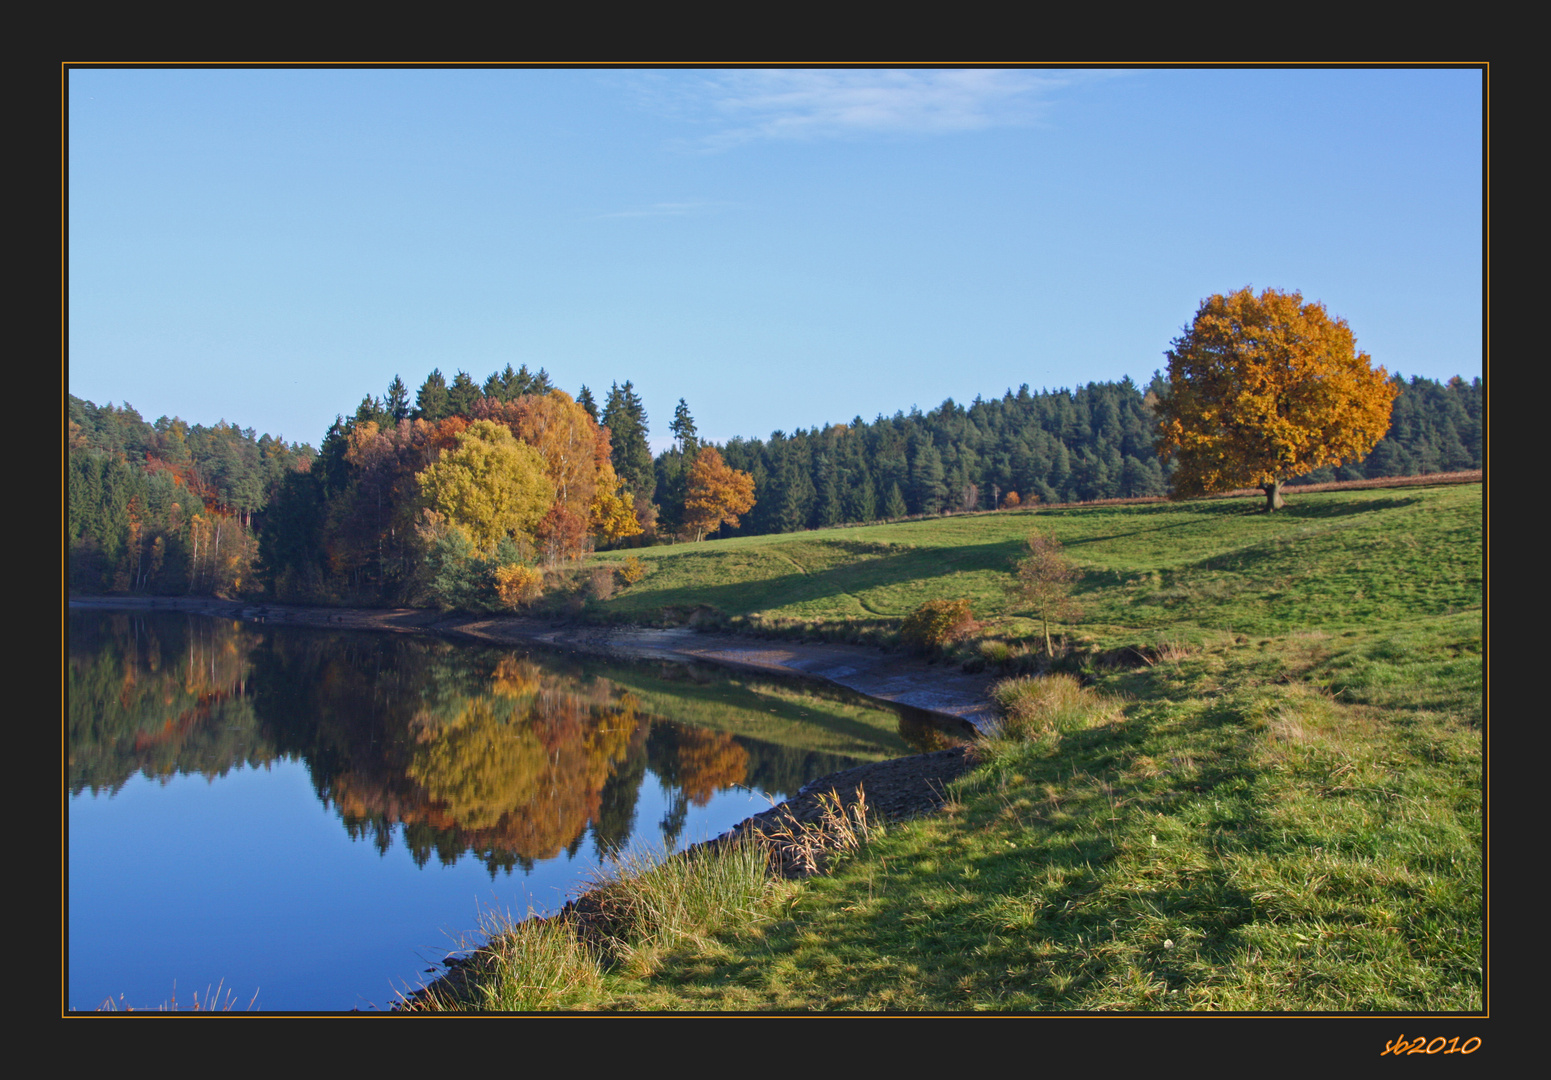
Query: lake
[308,820]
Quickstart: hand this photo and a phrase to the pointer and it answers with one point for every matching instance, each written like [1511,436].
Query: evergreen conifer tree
[502,385]
[927,480]
[432,403]
[860,500]
[371,410]
[397,403]
[683,428]
[462,395]
[829,511]
[625,417]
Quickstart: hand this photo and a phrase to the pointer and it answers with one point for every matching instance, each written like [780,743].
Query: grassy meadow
[1331,559]
[1279,809]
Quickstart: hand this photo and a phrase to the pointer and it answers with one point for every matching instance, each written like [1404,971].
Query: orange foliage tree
[718,493]
[1265,388]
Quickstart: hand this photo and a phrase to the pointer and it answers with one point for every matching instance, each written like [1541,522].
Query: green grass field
[1283,811]
[1331,559]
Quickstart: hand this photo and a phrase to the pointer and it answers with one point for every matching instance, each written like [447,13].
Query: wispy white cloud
[806,103]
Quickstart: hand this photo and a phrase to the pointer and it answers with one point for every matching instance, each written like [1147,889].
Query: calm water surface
[316,817]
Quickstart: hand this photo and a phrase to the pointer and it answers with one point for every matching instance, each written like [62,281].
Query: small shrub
[517,585]
[937,623]
[633,570]
[600,582]
[1010,500]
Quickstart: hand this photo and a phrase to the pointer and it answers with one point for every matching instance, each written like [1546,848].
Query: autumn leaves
[718,493]
[1265,388]
[489,484]
[535,471]
[554,486]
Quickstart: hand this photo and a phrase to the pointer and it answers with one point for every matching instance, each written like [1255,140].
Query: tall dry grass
[1034,706]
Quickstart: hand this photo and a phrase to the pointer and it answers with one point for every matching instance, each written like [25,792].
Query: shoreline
[943,692]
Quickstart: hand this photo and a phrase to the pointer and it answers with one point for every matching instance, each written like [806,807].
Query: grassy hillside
[1331,559]
[1281,812]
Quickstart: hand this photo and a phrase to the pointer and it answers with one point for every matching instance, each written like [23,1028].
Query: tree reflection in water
[456,749]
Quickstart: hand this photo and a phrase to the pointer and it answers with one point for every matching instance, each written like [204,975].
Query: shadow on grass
[880,572]
[1333,509]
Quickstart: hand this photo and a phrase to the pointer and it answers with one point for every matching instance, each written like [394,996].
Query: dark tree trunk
[1273,492]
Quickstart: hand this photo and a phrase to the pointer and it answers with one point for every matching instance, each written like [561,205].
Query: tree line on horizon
[166,508]
[1053,446]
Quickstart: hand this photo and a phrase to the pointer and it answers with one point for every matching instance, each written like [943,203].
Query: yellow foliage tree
[612,516]
[490,484]
[575,450]
[1265,388]
[718,493]
[566,436]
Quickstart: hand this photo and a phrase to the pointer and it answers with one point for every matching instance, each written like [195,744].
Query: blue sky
[781,248]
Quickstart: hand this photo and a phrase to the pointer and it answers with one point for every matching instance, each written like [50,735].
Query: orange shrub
[937,623]
[517,585]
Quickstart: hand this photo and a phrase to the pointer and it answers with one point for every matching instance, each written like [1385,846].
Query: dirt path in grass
[941,690]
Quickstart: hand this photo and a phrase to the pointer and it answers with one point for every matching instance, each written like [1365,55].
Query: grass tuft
[218,998]
[641,908]
[805,847]
[1034,706]
[532,965]
[650,904]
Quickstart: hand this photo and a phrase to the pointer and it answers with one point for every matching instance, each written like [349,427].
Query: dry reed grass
[803,847]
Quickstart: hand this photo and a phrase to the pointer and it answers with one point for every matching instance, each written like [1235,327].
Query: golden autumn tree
[718,493]
[613,514]
[490,485]
[575,451]
[1265,388]
[566,437]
